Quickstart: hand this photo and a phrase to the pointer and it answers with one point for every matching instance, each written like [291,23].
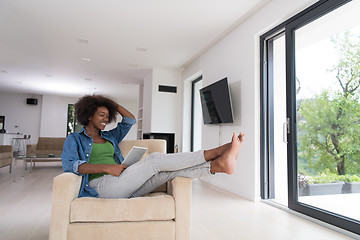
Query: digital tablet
[134,155]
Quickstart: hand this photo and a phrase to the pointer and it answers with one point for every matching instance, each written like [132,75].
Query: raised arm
[109,103]
[124,112]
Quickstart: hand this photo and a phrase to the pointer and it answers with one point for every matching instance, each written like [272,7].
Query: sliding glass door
[322,128]
[275,75]
[325,80]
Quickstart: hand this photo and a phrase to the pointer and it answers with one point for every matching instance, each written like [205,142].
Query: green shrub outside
[330,178]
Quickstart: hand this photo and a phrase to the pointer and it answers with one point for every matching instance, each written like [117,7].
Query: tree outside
[328,124]
[72,123]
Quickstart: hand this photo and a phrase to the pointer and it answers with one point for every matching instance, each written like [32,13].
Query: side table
[31,160]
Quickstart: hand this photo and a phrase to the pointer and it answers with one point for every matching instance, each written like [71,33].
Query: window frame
[192,111]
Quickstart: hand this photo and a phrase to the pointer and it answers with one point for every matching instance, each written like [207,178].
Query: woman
[95,154]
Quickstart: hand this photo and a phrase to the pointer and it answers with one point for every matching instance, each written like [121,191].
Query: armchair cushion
[155,207]
[152,145]
[149,230]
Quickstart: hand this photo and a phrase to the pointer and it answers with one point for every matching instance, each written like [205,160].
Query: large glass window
[321,129]
[327,63]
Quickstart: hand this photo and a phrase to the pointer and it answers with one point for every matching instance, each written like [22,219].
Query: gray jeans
[151,172]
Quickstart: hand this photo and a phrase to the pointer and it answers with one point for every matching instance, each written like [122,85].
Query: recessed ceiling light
[80,40]
[86,59]
[88,79]
[3,71]
[141,49]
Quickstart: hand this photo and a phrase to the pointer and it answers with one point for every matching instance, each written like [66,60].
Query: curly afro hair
[87,106]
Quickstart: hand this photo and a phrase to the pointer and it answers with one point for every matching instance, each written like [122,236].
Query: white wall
[18,113]
[164,104]
[46,119]
[54,115]
[237,57]
[147,103]
[131,106]
[161,109]
[186,99]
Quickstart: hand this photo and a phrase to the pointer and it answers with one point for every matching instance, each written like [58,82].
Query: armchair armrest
[66,188]
[181,188]
[31,150]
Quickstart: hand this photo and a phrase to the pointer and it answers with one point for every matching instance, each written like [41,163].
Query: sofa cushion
[155,206]
[49,145]
[5,155]
[5,162]
[53,143]
[46,153]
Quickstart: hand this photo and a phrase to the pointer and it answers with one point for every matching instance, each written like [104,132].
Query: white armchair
[164,214]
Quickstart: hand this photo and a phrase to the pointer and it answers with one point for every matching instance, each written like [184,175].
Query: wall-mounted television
[216,103]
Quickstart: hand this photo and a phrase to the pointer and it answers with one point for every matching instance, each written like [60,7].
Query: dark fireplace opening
[169,137]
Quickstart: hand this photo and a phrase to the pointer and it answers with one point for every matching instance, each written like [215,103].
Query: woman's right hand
[115,169]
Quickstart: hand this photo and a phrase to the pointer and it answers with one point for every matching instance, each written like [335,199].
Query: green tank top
[101,153]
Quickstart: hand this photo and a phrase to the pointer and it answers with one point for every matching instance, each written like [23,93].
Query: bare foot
[227,161]
[214,153]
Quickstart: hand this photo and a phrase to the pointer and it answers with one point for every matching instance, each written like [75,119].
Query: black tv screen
[216,103]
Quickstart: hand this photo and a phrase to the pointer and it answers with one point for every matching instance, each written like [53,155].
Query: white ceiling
[43,43]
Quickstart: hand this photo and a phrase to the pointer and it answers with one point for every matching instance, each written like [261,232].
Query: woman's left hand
[115,169]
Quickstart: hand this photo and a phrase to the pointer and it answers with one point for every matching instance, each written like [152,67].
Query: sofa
[6,156]
[47,149]
[46,146]
[162,214]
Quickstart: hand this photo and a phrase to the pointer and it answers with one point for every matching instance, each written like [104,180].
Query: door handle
[286,130]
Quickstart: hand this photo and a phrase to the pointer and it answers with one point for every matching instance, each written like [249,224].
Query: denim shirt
[77,150]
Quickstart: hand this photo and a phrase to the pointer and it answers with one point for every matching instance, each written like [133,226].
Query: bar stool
[19,145]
